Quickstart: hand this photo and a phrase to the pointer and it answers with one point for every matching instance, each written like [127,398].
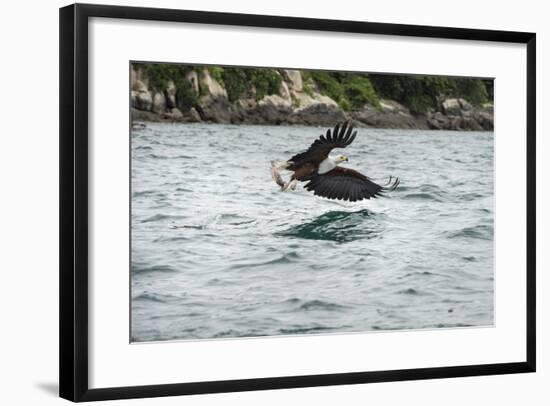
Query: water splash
[338,226]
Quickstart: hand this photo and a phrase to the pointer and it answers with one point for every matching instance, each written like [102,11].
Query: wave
[425,191]
[409,291]
[196,227]
[469,259]
[481,232]
[448,325]
[163,157]
[338,226]
[321,305]
[468,197]
[304,330]
[286,258]
[423,196]
[156,156]
[232,219]
[219,282]
[143,269]
[227,333]
[139,193]
[148,297]
[418,273]
[377,327]
[160,217]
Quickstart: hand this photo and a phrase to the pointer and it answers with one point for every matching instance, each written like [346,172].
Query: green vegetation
[418,93]
[217,73]
[490,88]
[266,82]
[238,82]
[352,91]
[160,74]
[422,93]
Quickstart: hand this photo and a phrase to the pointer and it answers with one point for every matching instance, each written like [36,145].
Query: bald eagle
[325,178]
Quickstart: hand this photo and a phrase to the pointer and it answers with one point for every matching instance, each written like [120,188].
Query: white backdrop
[28,174]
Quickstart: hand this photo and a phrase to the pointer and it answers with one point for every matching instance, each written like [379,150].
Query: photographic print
[276,202]
[218,203]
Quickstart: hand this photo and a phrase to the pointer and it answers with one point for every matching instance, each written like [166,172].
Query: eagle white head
[331,162]
[340,158]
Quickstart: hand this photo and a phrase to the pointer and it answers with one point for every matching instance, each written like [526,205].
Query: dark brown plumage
[341,137]
[324,178]
[344,184]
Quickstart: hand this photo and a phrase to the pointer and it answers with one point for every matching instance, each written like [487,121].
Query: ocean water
[217,250]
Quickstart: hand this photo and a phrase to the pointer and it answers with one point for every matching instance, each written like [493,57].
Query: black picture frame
[73,254]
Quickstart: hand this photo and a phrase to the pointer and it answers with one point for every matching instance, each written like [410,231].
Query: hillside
[185,93]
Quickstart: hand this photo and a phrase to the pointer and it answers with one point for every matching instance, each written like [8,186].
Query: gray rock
[194,114]
[193,79]
[213,109]
[176,113]
[455,123]
[391,106]
[294,78]
[133,76]
[142,115]
[437,121]
[142,100]
[272,109]
[270,114]
[451,107]
[211,86]
[318,114]
[139,86]
[276,101]
[303,100]
[485,118]
[246,104]
[471,124]
[391,115]
[159,102]
[487,107]
[170,94]
[190,116]
[284,92]
[464,105]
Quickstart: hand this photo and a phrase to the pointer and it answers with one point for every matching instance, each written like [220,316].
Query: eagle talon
[287,184]
[392,186]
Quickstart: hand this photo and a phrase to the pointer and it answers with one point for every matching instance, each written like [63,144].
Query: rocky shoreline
[294,103]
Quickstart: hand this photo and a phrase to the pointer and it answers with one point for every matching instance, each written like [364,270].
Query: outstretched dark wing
[340,137]
[346,184]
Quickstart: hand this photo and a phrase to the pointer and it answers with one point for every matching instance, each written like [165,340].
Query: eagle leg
[291,182]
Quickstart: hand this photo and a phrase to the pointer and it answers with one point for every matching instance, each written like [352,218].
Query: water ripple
[218,251]
[338,226]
